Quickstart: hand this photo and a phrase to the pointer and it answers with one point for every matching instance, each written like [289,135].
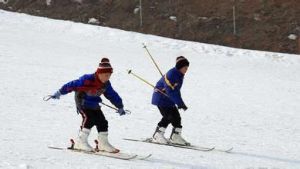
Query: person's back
[170,84]
[166,97]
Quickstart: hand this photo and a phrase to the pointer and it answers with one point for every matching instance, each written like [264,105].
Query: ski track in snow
[237,98]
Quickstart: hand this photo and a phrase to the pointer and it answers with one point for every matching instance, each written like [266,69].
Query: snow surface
[240,98]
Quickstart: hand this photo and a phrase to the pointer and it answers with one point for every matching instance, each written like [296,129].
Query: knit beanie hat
[181,62]
[104,66]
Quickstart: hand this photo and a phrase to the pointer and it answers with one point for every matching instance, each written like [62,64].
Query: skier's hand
[183,107]
[56,95]
[121,111]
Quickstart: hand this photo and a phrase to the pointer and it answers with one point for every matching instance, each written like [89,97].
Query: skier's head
[182,64]
[104,70]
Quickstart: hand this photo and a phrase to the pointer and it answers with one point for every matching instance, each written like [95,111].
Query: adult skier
[166,96]
[88,90]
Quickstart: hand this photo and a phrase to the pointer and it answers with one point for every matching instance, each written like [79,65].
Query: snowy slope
[240,98]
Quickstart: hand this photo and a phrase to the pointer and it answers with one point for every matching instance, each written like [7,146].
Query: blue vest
[170,84]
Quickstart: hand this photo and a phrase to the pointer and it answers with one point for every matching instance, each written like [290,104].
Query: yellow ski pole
[130,72]
[144,46]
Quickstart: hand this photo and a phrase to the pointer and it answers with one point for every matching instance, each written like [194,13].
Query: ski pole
[48,97]
[130,72]
[152,59]
[127,111]
[109,106]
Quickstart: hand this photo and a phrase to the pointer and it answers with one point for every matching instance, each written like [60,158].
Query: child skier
[166,96]
[88,90]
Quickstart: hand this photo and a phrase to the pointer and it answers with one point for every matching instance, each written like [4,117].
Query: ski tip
[148,156]
[144,158]
[57,148]
[229,150]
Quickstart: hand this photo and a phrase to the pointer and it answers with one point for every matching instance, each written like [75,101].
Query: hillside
[237,98]
[269,25]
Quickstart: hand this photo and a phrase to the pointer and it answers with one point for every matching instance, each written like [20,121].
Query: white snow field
[249,100]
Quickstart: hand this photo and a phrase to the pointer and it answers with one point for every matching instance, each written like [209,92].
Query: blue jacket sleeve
[72,85]
[113,96]
[172,84]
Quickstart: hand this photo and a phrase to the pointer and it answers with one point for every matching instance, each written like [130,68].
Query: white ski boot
[176,137]
[158,136]
[81,142]
[104,145]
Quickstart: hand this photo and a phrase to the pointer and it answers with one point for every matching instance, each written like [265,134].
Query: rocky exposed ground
[271,25]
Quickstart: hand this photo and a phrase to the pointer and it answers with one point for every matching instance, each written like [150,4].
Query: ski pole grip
[46,98]
[144,45]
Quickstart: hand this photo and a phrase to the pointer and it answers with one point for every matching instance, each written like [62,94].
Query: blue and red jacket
[88,90]
[170,84]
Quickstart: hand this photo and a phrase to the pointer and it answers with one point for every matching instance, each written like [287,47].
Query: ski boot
[104,145]
[81,143]
[158,136]
[176,137]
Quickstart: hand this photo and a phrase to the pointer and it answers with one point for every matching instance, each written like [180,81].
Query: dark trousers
[91,118]
[170,115]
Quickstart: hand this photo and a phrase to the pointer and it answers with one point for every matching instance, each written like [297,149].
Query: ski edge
[104,154]
[192,147]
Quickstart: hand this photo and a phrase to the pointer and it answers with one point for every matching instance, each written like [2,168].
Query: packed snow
[237,98]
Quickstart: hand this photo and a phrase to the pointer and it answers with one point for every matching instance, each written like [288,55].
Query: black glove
[121,111]
[183,107]
[56,95]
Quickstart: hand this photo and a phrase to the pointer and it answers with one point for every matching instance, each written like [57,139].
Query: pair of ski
[118,155]
[192,147]
[128,156]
